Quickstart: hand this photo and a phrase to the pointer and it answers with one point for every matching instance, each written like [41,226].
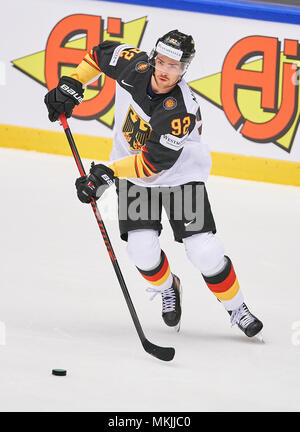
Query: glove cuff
[103,169]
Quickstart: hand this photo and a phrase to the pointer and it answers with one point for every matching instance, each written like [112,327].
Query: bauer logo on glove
[107,179]
[63,98]
[93,186]
[72,92]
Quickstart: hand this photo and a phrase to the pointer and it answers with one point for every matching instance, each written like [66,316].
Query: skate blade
[259,336]
[177,327]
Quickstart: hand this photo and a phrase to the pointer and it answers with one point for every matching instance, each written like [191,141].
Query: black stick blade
[162,353]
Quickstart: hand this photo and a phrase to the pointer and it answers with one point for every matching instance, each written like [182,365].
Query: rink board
[245,77]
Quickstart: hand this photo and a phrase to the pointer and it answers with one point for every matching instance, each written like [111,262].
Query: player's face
[167,73]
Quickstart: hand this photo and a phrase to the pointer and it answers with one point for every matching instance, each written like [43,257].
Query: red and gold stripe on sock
[159,274]
[224,285]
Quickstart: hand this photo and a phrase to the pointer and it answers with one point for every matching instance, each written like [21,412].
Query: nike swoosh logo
[188,223]
[125,83]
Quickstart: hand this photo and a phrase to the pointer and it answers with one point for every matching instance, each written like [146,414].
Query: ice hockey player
[157,148]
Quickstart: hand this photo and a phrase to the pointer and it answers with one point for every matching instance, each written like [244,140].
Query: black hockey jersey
[157,138]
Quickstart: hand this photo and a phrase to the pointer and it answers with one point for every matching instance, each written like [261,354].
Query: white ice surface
[61,305]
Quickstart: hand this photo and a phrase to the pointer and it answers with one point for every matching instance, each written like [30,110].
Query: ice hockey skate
[246,321]
[171,303]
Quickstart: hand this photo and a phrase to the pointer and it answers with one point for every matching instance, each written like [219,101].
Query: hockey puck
[59,372]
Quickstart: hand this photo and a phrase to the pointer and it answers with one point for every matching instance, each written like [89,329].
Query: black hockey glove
[93,186]
[63,98]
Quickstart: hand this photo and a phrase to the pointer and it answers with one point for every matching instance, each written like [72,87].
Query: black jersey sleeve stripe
[161,157]
[148,164]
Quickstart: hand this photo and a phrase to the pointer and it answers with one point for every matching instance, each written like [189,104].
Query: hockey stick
[162,353]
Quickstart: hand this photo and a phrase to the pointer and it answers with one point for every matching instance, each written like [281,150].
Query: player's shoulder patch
[169,103]
[142,66]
